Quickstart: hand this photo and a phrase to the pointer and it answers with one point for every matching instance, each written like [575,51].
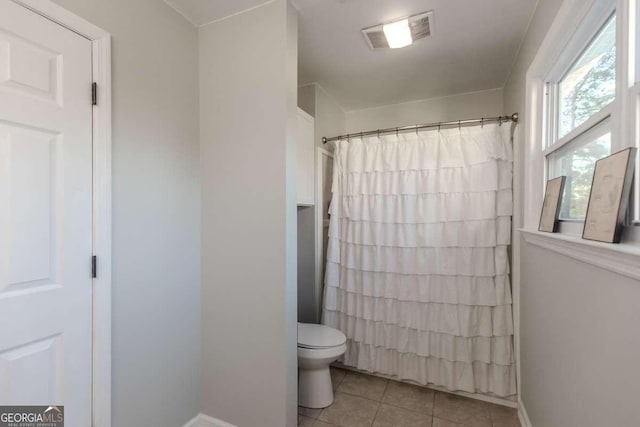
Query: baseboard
[522,414]
[202,420]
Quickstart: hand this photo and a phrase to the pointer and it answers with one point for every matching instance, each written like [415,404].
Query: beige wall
[156,211]
[248,115]
[514,90]
[307,99]
[456,107]
[580,346]
[330,117]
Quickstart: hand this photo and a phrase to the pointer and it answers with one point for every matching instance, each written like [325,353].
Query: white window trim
[585,127]
[567,32]
[598,15]
[101,68]
[622,260]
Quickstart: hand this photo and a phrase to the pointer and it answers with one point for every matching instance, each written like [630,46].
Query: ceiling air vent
[399,33]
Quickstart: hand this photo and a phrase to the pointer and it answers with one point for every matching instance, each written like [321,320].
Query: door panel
[45,214]
[29,228]
[29,372]
[32,69]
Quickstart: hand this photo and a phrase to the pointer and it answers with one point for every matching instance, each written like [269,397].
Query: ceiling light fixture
[401,32]
[398,34]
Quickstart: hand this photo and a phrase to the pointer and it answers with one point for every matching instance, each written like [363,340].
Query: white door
[45,214]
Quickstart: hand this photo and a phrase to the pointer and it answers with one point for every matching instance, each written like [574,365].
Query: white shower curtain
[417,268]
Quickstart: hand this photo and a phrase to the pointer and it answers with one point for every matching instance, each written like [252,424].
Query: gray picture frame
[551,205]
[609,196]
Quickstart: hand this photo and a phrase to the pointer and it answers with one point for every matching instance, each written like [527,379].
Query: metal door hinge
[94,266]
[94,93]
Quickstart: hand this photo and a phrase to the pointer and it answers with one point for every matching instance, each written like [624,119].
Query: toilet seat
[312,336]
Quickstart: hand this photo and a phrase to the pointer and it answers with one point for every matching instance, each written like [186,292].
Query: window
[579,121]
[576,160]
[590,83]
[583,103]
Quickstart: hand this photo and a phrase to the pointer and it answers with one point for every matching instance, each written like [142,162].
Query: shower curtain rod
[499,119]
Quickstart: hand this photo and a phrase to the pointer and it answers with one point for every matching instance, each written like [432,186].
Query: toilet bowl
[318,346]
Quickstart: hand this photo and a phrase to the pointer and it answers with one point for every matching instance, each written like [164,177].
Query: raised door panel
[31,69]
[30,373]
[31,162]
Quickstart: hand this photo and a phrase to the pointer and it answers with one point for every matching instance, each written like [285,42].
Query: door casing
[101,121]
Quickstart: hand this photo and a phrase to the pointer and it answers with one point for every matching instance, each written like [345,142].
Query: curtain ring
[361,135]
[459,128]
[482,122]
[499,121]
[396,131]
[439,123]
[378,133]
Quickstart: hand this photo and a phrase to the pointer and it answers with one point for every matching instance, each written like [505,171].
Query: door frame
[101,123]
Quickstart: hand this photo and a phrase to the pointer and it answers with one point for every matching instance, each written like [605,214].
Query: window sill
[621,258]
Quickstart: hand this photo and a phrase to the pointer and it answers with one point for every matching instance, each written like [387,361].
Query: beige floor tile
[305,421]
[507,423]
[502,416]
[462,410]
[392,416]
[319,423]
[350,411]
[439,422]
[363,385]
[309,412]
[407,396]
[337,375]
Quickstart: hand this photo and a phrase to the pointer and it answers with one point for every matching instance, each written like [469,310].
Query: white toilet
[318,346]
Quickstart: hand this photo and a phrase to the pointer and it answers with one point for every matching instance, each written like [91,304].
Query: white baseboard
[522,414]
[202,420]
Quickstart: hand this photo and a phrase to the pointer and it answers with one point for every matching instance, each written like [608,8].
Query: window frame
[581,41]
[589,135]
[577,24]
[633,104]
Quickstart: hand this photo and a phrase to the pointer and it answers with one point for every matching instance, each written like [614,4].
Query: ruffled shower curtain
[417,269]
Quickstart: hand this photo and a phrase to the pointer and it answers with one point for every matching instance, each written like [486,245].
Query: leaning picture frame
[609,197]
[551,205]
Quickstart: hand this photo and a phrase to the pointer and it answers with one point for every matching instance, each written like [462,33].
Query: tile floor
[368,401]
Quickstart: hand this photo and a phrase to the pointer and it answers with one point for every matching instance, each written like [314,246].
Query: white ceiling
[201,12]
[473,47]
